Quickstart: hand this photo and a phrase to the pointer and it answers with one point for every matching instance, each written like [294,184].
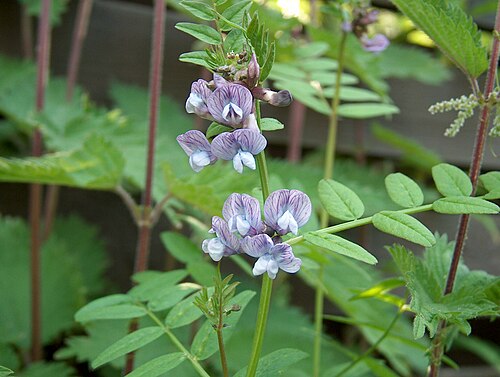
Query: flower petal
[224,146]
[283,255]
[242,212]
[231,242]
[377,43]
[213,247]
[237,96]
[287,222]
[261,265]
[193,141]
[250,141]
[257,246]
[198,160]
[275,206]
[247,159]
[299,206]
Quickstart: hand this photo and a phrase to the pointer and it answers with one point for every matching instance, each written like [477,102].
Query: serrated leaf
[205,341]
[403,226]
[215,129]
[491,180]
[122,311]
[455,205]
[271,124]
[453,31]
[276,363]
[403,190]
[451,181]
[202,32]
[127,344]
[340,201]
[366,110]
[340,245]
[196,57]
[155,287]
[235,14]
[199,9]
[96,165]
[158,366]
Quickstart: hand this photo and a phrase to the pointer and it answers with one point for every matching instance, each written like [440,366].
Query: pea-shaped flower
[271,257]
[224,245]
[197,100]
[240,146]
[242,213]
[197,147]
[377,43]
[287,210]
[230,104]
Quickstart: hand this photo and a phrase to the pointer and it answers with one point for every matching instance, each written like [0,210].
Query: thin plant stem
[373,348]
[36,189]
[79,33]
[177,343]
[144,223]
[437,348]
[220,326]
[324,217]
[26,33]
[267,282]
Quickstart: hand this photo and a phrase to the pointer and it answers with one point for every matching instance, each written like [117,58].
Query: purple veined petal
[250,141]
[230,104]
[197,147]
[274,207]
[283,255]
[222,231]
[377,43]
[219,80]
[300,207]
[251,123]
[242,212]
[246,159]
[257,246]
[224,146]
[197,100]
[261,265]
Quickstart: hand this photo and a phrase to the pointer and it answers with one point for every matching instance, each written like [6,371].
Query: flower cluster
[241,230]
[362,18]
[229,103]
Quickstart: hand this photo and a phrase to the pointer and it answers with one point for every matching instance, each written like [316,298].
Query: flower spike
[197,147]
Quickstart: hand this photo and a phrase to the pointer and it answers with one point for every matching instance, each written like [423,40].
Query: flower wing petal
[250,140]
[224,146]
[285,259]
[299,206]
[257,246]
[275,206]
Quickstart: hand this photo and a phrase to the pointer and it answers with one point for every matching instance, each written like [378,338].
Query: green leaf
[493,195]
[491,180]
[205,341]
[403,226]
[215,129]
[453,31]
[404,190]
[276,363]
[156,286]
[340,245]
[127,344]
[455,205]
[196,57]
[268,65]
[349,93]
[101,303]
[340,201]
[171,296]
[97,165]
[451,181]
[271,124]
[158,366]
[48,369]
[121,311]
[183,313]
[202,32]
[235,14]
[198,9]
[366,110]
[4,372]
[380,288]
[234,41]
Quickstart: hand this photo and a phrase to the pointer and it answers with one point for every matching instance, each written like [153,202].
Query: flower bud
[253,72]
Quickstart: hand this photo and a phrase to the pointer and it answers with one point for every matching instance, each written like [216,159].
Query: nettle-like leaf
[451,29]
[63,258]
[425,278]
[97,165]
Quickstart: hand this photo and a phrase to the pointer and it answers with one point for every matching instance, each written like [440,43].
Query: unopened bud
[253,72]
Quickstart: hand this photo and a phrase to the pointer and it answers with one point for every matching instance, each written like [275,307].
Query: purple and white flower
[230,104]
[197,147]
[377,43]
[197,100]
[287,210]
[225,244]
[282,98]
[271,257]
[240,146]
[242,213]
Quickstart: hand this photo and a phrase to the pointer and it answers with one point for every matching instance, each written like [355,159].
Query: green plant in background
[99,149]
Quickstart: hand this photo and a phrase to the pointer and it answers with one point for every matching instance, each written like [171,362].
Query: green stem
[267,283]
[324,218]
[197,366]
[374,346]
[220,326]
[355,223]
